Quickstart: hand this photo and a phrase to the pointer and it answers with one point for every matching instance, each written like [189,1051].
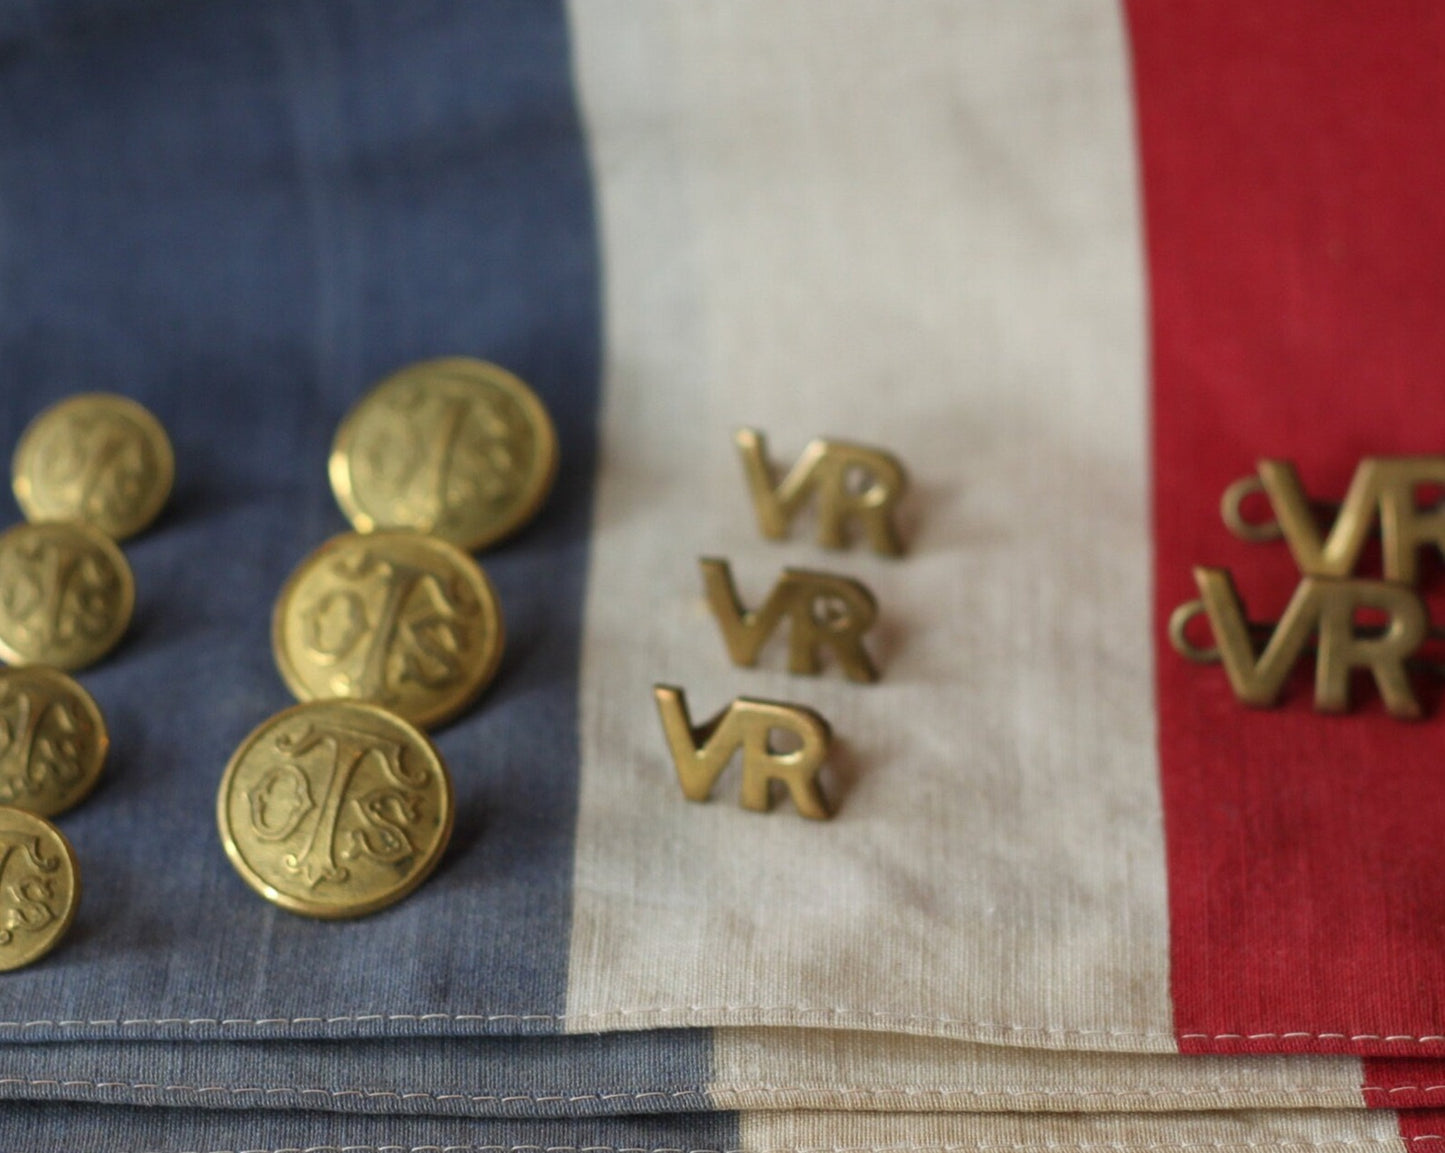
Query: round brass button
[400,619]
[335,809]
[52,740]
[39,887]
[66,594]
[97,458]
[456,447]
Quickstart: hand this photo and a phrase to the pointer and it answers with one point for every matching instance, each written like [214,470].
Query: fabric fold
[42,1128]
[728,1070]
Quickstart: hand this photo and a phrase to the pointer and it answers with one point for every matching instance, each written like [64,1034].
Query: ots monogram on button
[403,620]
[335,809]
[39,887]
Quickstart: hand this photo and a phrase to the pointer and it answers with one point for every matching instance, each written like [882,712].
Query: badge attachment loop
[1258,656]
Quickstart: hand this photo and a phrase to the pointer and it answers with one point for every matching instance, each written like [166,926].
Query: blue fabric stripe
[242,213]
[569,1076]
[50,1128]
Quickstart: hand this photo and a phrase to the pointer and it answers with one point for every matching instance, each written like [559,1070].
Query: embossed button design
[66,595]
[52,740]
[39,887]
[456,447]
[97,458]
[335,809]
[403,620]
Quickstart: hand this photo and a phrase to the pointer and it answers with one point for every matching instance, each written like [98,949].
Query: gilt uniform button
[66,594]
[456,447]
[97,458]
[41,889]
[52,740]
[400,619]
[335,809]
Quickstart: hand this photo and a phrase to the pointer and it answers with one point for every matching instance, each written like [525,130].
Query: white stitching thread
[238,1090]
[949,1091]
[640,1095]
[1403,1089]
[684,1012]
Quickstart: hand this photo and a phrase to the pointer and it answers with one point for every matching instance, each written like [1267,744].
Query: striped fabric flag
[1080,266]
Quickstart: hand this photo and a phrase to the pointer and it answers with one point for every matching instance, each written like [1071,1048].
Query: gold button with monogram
[335,809]
[400,619]
[53,740]
[98,458]
[66,594]
[39,887]
[456,447]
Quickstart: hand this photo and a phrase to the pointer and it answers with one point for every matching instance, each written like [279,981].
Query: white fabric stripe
[916,227]
[1291,1131]
[835,1069]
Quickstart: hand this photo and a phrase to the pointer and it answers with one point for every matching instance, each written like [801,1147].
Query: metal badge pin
[701,752]
[1322,607]
[852,483]
[1383,497]
[824,611]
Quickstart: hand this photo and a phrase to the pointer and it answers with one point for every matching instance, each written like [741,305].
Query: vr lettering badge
[823,611]
[1357,623]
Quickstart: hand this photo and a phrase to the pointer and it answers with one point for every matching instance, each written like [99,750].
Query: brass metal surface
[66,594]
[335,809]
[400,619]
[701,752]
[1383,496]
[824,611]
[39,887]
[1321,607]
[52,740]
[456,447]
[98,458]
[852,483]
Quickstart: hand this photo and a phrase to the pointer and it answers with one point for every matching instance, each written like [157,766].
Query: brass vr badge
[1356,623]
[1320,607]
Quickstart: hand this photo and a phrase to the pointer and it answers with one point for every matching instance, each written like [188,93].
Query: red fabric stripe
[1400,1083]
[1423,1129]
[1294,186]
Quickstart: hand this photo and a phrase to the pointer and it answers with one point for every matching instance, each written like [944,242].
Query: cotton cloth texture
[1078,265]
